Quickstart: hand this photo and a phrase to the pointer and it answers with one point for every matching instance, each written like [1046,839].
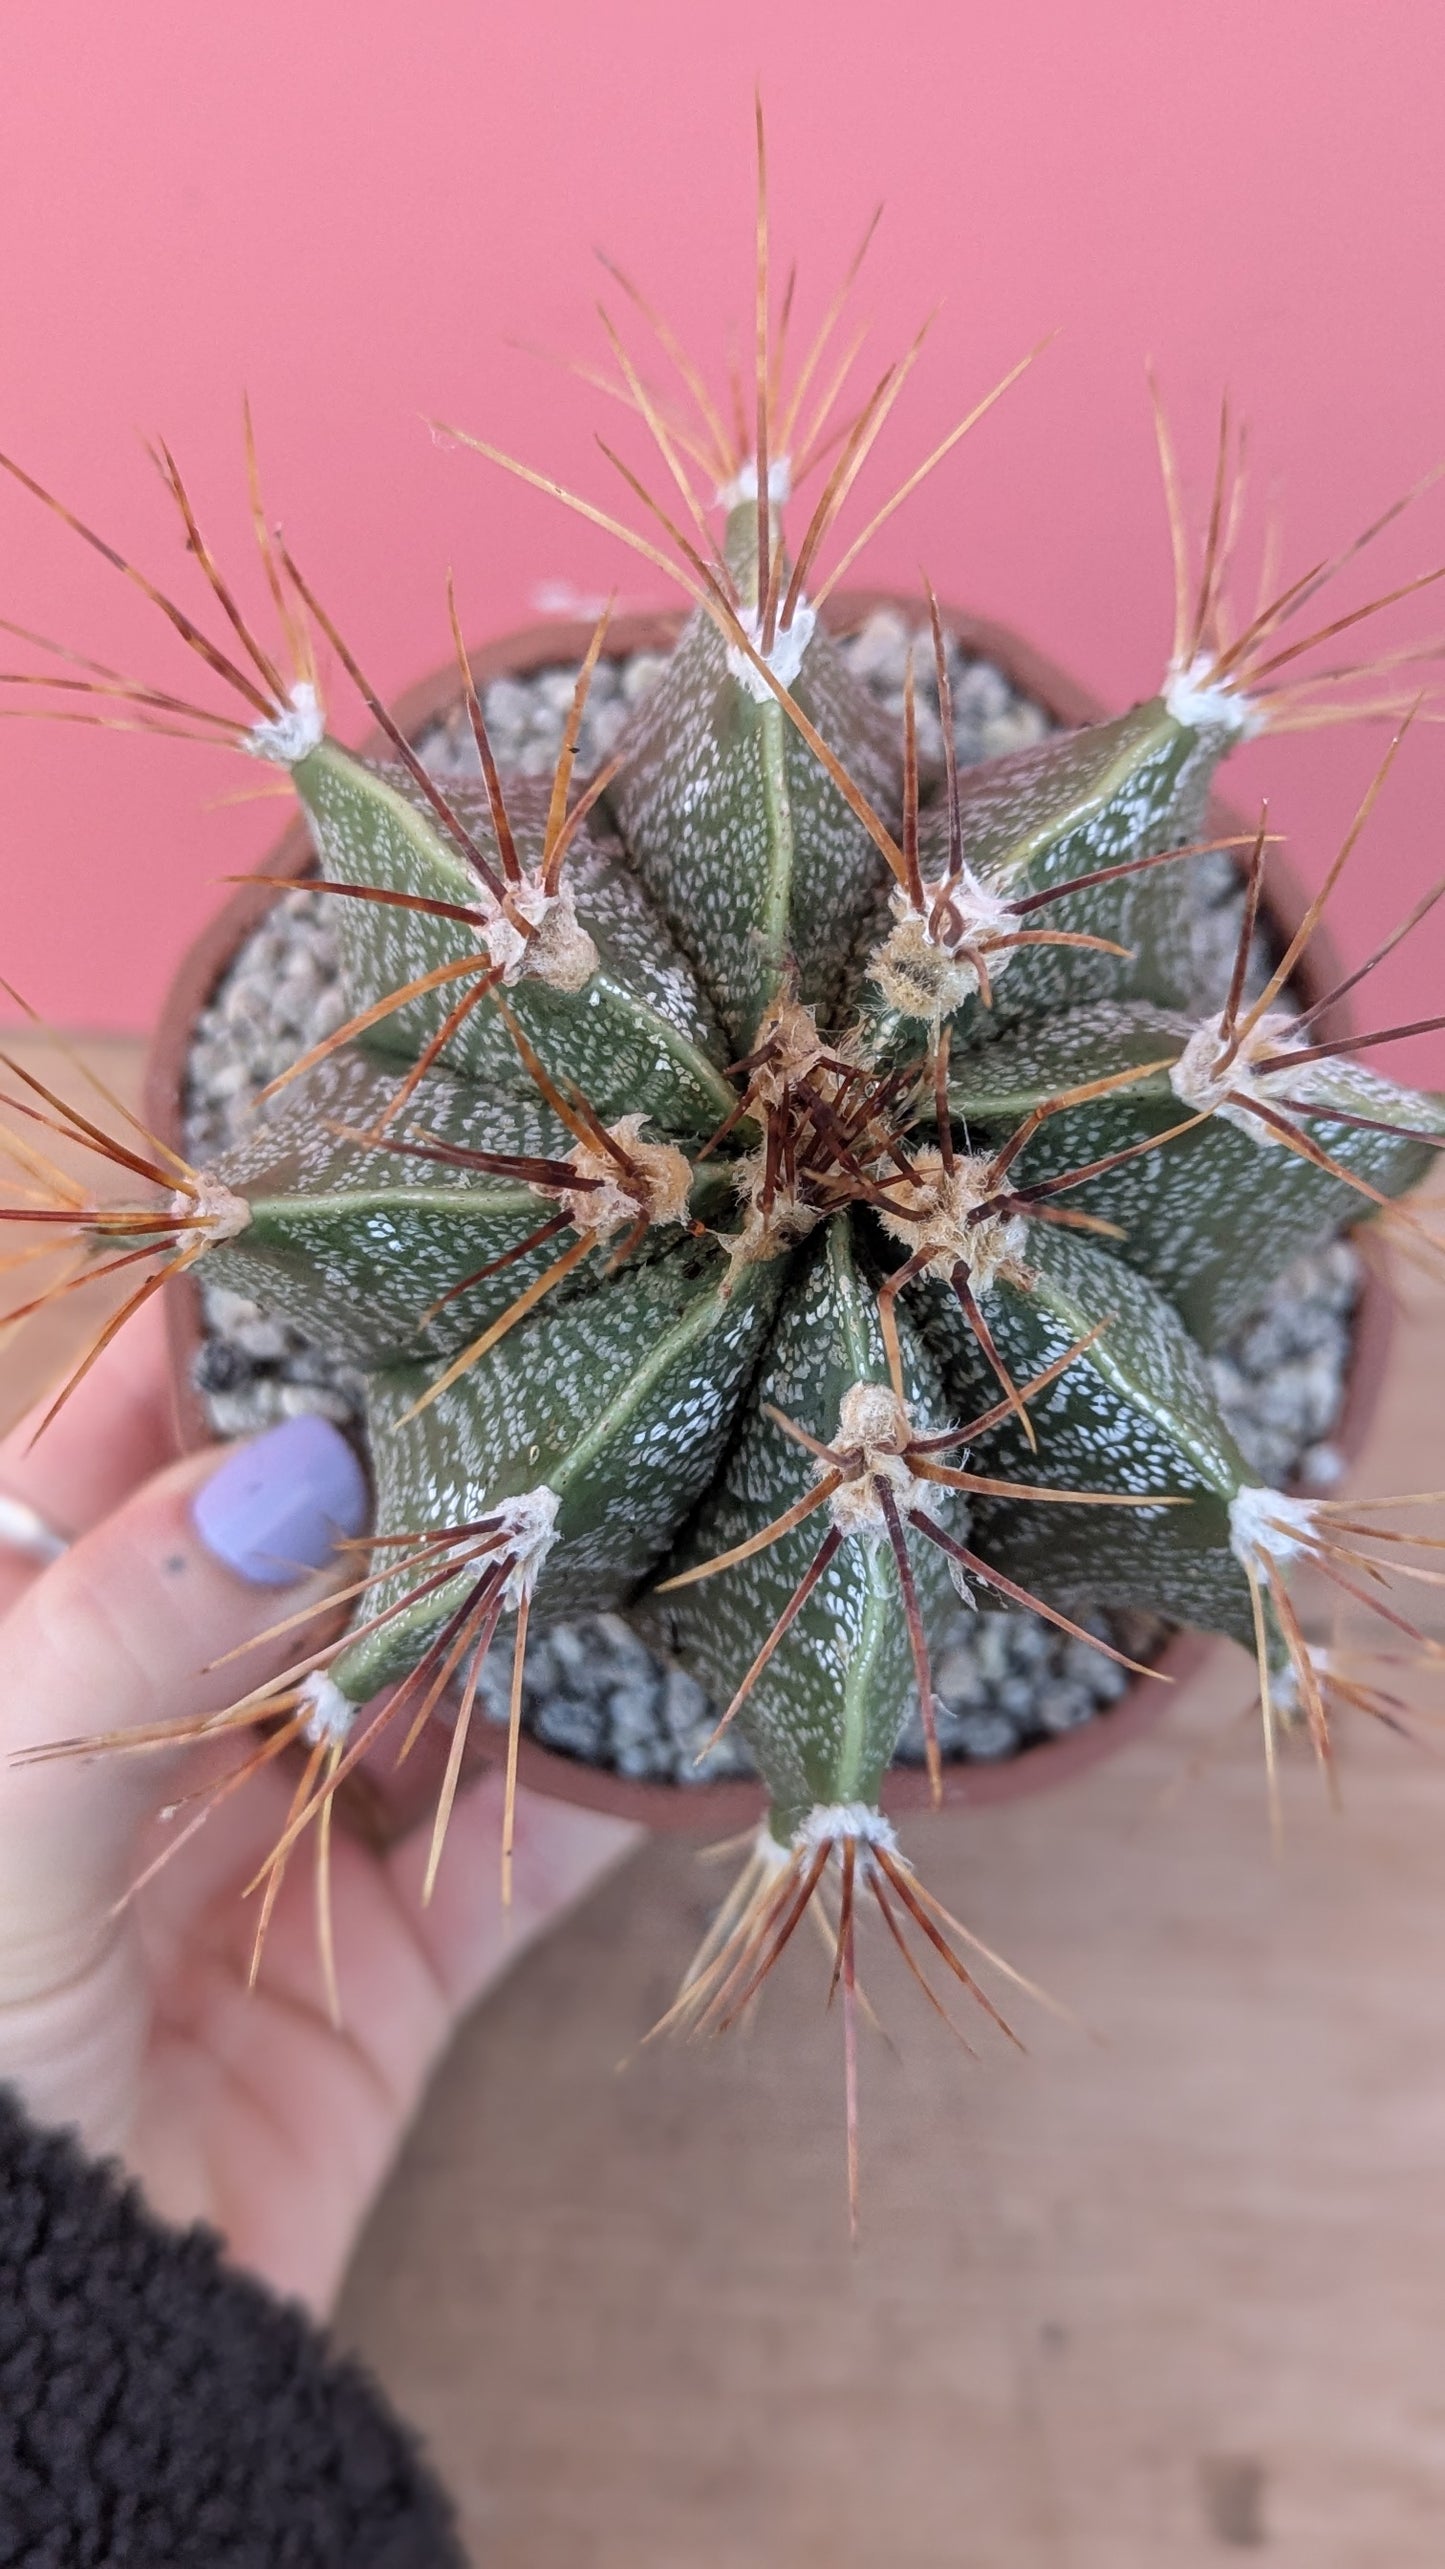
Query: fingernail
[277,1507]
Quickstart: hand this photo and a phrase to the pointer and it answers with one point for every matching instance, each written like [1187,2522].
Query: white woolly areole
[1201,702]
[972,913]
[1265,1522]
[1198,1079]
[937,1210]
[764,1235]
[224,1214]
[659,1188]
[871,1417]
[744,484]
[827,1822]
[529,1524]
[292,732]
[927,972]
[330,1715]
[785,659]
[538,933]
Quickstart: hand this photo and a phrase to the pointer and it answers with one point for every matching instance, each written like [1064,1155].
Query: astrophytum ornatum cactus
[780,1189]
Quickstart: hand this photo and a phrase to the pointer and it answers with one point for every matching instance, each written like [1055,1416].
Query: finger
[125,1630]
[111,1436]
[463,1936]
[560,1853]
[404,1976]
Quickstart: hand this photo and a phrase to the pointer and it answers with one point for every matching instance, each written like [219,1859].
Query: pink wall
[350,210]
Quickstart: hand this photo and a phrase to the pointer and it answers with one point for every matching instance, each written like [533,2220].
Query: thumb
[123,1631]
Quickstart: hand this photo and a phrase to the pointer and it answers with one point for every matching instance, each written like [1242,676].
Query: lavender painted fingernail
[277,1506]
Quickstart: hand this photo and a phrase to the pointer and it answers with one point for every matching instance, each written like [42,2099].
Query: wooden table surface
[1156,2294]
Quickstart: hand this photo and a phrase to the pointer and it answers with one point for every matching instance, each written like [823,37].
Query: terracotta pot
[723,1807]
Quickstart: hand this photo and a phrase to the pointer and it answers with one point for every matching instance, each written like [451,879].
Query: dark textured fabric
[158,2411]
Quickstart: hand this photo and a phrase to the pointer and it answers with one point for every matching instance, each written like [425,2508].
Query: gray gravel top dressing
[1005,1679]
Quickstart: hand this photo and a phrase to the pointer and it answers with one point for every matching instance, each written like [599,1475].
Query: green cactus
[781,1188]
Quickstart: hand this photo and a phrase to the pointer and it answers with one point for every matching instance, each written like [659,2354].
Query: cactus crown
[784,1183]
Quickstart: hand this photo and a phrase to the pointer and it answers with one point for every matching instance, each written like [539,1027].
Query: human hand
[134,2023]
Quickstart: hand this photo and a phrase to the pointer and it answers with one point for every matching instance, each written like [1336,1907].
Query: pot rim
[737,1803]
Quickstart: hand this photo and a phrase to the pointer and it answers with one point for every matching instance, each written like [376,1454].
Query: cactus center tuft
[950,1212]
